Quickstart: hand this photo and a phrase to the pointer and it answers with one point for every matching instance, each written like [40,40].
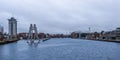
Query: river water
[61,49]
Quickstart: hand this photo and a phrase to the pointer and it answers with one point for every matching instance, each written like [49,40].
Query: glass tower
[12,23]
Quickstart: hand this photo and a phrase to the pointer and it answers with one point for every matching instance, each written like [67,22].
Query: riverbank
[105,40]
[7,41]
[116,41]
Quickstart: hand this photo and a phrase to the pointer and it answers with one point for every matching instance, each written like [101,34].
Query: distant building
[1,33]
[93,35]
[1,29]
[42,35]
[78,34]
[12,23]
[117,31]
[109,35]
[75,35]
[22,35]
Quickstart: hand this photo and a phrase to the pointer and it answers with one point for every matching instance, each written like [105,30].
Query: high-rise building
[12,23]
[1,29]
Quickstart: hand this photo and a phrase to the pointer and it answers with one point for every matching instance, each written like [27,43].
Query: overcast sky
[61,16]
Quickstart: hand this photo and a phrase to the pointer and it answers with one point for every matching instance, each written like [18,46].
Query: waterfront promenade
[105,40]
[61,49]
[7,41]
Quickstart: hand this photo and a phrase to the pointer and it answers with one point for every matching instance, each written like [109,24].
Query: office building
[12,23]
[1,29]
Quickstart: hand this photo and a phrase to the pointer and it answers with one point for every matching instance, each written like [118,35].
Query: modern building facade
[1,33]
[12,23]
[117,31]
[1,29]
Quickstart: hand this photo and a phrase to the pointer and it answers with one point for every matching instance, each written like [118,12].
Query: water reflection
[33,42]
[7,50]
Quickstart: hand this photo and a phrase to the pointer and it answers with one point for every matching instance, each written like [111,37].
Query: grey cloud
[60,16]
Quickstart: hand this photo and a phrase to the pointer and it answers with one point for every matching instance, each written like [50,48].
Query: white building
[12,23]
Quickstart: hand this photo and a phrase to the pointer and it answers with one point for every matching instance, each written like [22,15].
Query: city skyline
[61,16]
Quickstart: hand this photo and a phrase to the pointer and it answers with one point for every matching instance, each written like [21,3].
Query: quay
[116,41]
[7,41]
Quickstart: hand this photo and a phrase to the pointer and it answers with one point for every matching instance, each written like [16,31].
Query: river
[61,49]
